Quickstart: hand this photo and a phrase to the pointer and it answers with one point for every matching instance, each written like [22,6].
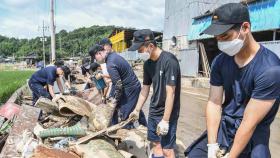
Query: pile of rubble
[72,126]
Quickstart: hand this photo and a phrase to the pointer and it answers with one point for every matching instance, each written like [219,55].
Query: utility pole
[60,44]
[44,39]
[52,31]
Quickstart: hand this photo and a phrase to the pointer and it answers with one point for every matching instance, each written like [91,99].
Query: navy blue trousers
[199,150]
[38,91]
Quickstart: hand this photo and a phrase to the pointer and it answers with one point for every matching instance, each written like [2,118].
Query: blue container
[100,84]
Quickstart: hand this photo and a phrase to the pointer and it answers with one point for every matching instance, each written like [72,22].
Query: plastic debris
[63,143]
[67,131]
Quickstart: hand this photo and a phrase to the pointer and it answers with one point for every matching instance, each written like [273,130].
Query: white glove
[163,127]
[66,91]
[226,156]
[212,150]
[134,114]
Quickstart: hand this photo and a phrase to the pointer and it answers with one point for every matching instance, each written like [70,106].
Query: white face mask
[231,48]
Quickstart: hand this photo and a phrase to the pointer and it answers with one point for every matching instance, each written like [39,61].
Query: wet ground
[192,119]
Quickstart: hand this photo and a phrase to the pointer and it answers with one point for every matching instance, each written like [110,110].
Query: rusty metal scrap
[26,120]
[44,152]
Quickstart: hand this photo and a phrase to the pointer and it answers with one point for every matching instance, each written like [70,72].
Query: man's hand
[134,115]
[88,80]
[66,91]
[163,127]
[212,150]
[98,76]
[226,156]
[103,99]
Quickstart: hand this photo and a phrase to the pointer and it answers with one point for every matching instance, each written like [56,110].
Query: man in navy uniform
[46,77]
[125,84]
[163,71]
[247,74]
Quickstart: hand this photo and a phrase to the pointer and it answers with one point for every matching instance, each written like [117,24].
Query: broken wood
[101,132]
[205,63]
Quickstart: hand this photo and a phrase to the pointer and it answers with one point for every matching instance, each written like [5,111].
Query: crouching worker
[97,78]
[46,77]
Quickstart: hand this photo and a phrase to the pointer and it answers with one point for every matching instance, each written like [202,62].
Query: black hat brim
[217,29]
[135,46]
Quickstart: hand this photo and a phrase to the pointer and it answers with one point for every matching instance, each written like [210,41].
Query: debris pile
[73,126]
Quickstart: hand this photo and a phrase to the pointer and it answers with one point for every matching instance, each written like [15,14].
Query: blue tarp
[264,15]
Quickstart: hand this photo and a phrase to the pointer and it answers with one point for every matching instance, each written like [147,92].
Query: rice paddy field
[10,81]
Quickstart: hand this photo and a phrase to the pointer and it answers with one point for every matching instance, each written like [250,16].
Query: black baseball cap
[105,41]
[94,49]
[140,37]
[94,66]
[227,16]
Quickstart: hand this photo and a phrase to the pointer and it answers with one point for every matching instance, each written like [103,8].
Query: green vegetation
[11,81]
[71,43]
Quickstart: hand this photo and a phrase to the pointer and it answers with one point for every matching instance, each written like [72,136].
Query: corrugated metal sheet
[198,26]
[264,15]
[117,37]
[118,42]
[179,14]
[189,60]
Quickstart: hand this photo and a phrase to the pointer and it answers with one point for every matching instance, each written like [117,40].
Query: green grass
[11,81]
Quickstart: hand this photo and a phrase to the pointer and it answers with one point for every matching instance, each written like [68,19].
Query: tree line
[68,44]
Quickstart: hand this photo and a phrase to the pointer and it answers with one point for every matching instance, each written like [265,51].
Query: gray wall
[273,46]
[178,19]
[189,60]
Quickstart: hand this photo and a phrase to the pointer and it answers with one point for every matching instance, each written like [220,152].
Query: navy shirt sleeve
[216,78]
[147,80]
[172,70]
[51,76]
[267,84]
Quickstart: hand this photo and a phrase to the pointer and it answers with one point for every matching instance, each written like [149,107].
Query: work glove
[162,128]
[212,150]
[134,115]
[226,156]
[66,91]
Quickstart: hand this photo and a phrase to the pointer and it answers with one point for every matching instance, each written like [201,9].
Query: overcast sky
[22,18]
